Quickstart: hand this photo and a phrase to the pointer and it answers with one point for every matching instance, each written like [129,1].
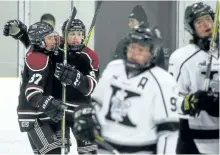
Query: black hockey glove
[52,108]
[70,76]
[86,124]
[17,30]
[201,100]
[14,28]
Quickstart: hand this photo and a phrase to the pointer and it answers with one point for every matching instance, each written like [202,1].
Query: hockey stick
[99,140]
[92,27]
[212,48]
[71,18]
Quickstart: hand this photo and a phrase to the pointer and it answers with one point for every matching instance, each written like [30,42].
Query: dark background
[112,24]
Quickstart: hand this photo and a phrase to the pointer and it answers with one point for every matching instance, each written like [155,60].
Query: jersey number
[173,103]
[35,78]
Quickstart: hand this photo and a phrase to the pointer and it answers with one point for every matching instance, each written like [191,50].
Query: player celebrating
[138,99]
[80,75]
[188,65]
[39,112]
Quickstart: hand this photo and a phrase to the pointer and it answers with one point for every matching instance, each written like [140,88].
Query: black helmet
[38,31]
[139,14]
[144,36]
[195,11]
[75,25]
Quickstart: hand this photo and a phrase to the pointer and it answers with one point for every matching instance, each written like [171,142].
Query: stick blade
[71,18]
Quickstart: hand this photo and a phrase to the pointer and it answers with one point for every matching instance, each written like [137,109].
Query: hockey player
[136,18]
[40,108]
[138,100]
[188,65]
[80,77]
[86,72]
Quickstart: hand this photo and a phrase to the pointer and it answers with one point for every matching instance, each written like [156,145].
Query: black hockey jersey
[38,77]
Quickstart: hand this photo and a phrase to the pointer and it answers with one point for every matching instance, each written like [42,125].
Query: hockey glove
[70,76]
[190,105]
[14,28]
[86,125]
[52,108]
[201,100]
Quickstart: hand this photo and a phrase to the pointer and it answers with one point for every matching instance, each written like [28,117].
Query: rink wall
[29,11]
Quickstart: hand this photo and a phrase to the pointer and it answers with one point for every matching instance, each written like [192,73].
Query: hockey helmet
[75,25]
[145,36]
[195,11]
[38,31]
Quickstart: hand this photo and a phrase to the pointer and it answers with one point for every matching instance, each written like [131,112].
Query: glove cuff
[45,102]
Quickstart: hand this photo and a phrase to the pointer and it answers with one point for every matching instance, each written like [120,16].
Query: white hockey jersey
[188,65]
[135,111]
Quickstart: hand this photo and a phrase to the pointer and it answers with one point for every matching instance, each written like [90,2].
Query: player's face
[52,41]
[75,37]
[203,26]
[138,53]
[132,23]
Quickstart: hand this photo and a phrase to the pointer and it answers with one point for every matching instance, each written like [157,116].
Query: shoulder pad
[36,61]
[115,62]
[183,53]
[167,81]
[92,56]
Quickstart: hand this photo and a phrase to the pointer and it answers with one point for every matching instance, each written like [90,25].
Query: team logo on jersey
[202,64]
[119,106]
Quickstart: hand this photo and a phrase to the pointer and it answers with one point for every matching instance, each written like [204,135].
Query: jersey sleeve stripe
[92,78]
[91,86]
[165,146]
[205,134]
[33,88]
[167,127]
[32,94]
[162,95]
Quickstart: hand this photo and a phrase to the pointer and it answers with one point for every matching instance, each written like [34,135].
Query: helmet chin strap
[76,47]
[135,68]
[203,43]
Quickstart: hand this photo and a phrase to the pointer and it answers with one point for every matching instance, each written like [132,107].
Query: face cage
[152,59]
[74,47]
[57,44]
